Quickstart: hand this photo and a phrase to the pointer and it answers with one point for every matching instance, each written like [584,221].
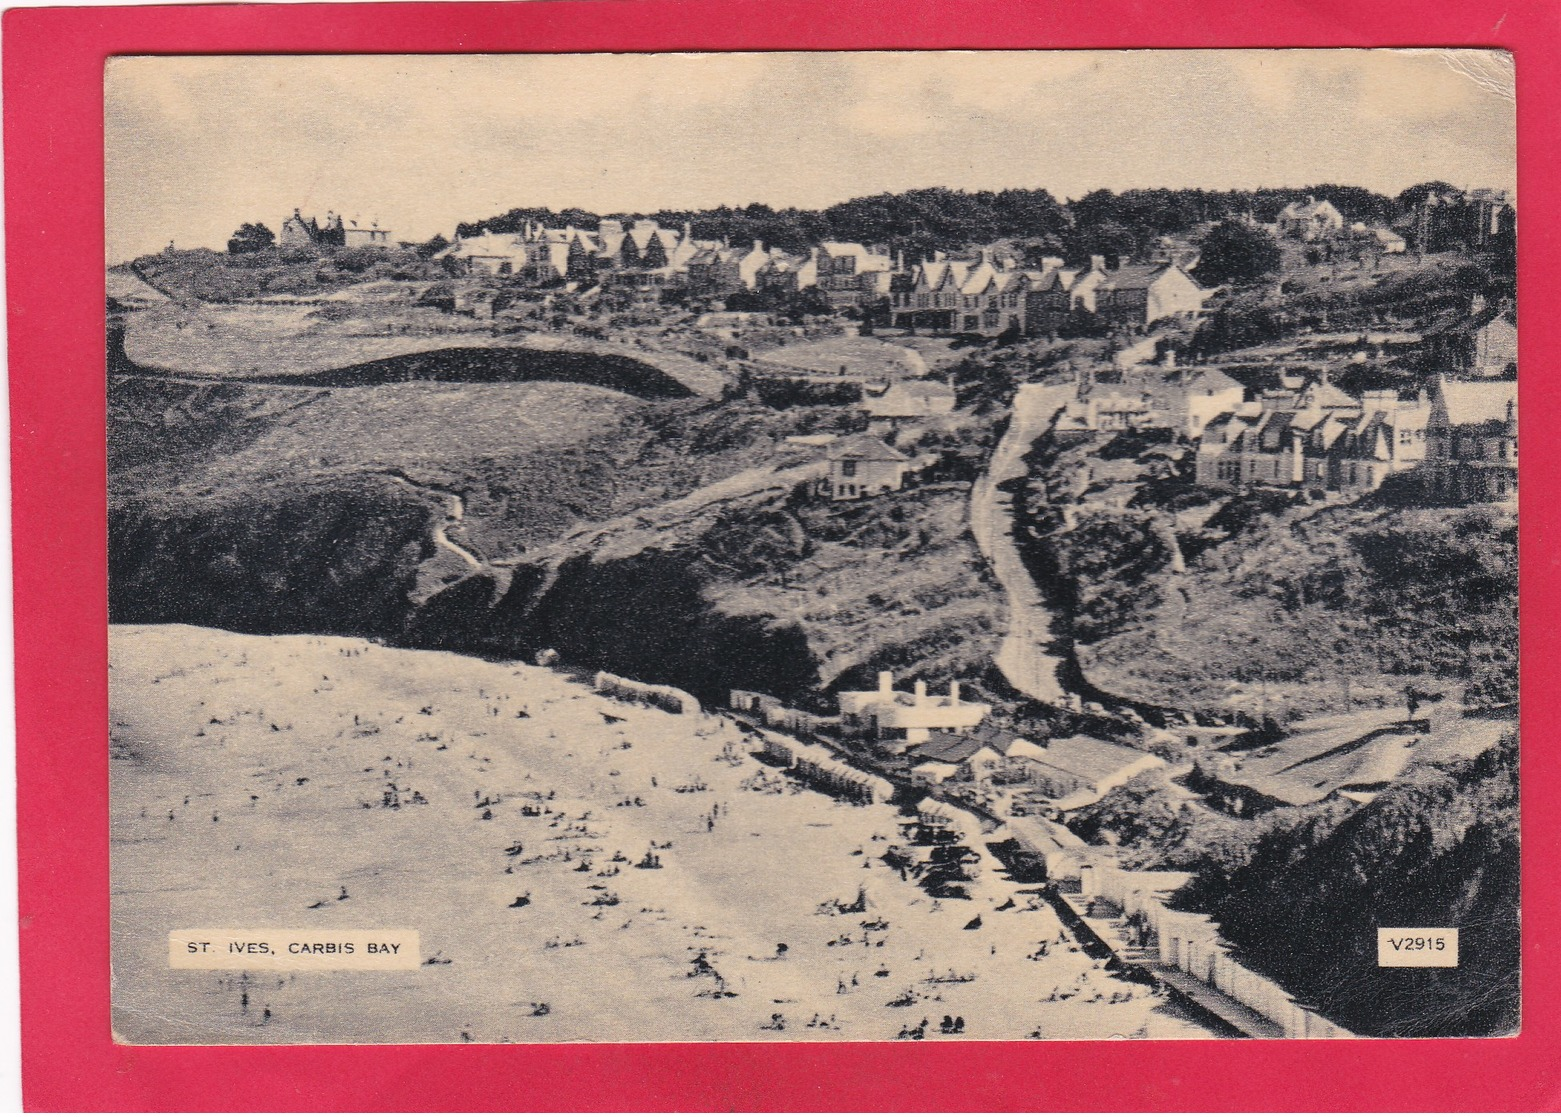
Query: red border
[53,60]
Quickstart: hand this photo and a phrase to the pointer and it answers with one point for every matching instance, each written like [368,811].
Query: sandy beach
[673,886]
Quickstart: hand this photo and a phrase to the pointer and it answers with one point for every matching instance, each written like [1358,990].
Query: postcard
[919,546]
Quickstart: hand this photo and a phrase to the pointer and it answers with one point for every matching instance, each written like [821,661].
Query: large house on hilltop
[299,231]
[535,254]
[1140,295]
[983,297]
[786,274]
[1134,295]
[851,275]
[1310,220]
[717,269]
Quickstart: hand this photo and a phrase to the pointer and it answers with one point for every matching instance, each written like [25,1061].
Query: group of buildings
[1460,437]
[641,261]
[940,739]
[986,295]
[1469,221]
[334,232]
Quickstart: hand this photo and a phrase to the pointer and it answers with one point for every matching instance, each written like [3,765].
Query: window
[848,469]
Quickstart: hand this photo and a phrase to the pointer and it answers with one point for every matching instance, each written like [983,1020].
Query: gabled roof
[1208,380]
[1134,277]
[936,273]
[948,748]
[954,748]
[1471,402]
[864,447]
[1307,209]
[1325,395]
[505,245]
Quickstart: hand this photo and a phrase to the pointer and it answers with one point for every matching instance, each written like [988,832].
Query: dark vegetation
[314,558]
[1357,297]
[1439,850]
[494,365]
[1236,252]
[258,269]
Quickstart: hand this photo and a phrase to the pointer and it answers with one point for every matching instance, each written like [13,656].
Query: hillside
[1179,596]
[670,539]
[381,333]
[1440,850]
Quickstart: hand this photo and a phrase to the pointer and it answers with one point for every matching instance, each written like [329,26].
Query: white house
[903,719]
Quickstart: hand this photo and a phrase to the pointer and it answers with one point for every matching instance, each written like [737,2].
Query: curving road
[1025,658]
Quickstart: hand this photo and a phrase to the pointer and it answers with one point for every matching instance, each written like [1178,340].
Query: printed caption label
[332,949]
[1417,946]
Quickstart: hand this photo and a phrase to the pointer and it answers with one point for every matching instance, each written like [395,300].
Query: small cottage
[863,466]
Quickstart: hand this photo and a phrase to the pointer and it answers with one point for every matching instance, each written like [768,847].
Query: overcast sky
[198,145]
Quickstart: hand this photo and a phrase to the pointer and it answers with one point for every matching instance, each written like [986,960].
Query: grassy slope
[1373,594]
[1376,594]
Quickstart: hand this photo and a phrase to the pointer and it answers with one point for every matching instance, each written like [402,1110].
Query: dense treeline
[917,222]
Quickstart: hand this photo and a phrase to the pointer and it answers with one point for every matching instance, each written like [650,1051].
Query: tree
[1410,199]
[250,237]
[432,246]
[1237,252]
[809,302]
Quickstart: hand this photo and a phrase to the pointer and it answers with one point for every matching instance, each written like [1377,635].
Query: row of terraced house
[985,295]
[644,260]
[988,296]
[1460,438]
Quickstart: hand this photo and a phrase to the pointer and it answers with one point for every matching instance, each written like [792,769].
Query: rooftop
[864,447]
[1088,757]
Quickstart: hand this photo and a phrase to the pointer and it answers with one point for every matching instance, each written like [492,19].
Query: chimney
[954,694]
[1097,263]
[758,246]
[886,682]
[921,692]
[688,233]
[1170,358]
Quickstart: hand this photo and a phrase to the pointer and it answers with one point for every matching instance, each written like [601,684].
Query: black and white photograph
[768,547]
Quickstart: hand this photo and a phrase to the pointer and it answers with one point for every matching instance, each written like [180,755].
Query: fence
[667,698]
[1190,942]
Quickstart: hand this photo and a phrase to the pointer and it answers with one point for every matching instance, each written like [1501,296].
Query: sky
[196,146]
